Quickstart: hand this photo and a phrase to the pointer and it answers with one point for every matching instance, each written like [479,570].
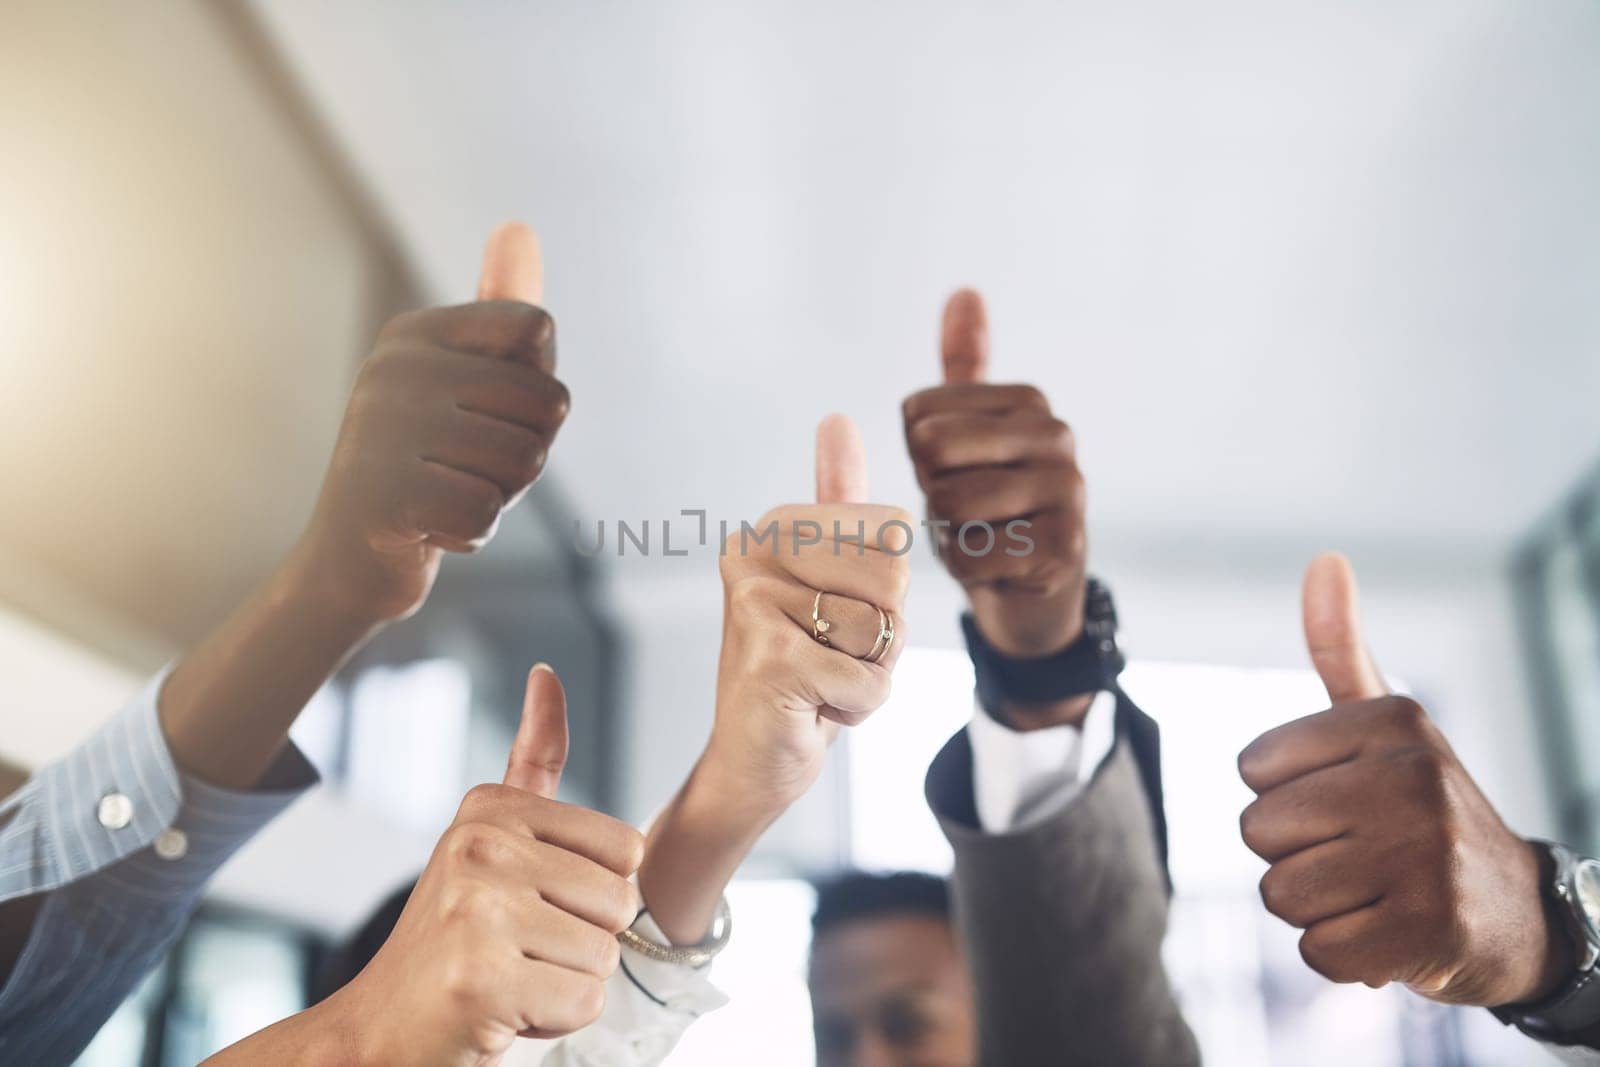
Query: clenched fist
[450,421]
[995,454]
[1381,846]
[781,694]
[511,930]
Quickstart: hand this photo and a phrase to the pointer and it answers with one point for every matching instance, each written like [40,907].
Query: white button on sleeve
[114,811]
[171,844]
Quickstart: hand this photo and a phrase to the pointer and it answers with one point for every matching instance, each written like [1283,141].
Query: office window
[408,737]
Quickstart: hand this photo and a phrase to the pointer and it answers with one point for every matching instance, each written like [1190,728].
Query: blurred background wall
[1300,276]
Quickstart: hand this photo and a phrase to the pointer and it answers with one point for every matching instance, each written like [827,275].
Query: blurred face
[892,991]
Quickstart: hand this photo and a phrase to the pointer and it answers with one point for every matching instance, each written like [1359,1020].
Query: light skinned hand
[781,695]
[511,929]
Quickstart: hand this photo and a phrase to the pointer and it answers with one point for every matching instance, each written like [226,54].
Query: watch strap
[1088,665]
[1574,1008]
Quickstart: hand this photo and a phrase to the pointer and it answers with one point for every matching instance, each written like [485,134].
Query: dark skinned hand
[986,453]
[450,421]
[1382,848]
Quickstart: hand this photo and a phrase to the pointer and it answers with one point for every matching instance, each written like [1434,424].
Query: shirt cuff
[649,1005]
[1021,778]
[118,799]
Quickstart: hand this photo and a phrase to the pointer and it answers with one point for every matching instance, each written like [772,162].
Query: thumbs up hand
[787,681]
[1381,846]
[511,929]
[449,422]
[994,454]
[812,627]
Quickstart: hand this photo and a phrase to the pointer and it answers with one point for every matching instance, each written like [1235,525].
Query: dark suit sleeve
[1062,922]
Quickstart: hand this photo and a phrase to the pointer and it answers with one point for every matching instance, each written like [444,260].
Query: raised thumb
[964,338]
[539,751]
[841,462]
[1333,631]
[512,267]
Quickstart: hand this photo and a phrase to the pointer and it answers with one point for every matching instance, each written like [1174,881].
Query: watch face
[1586,883]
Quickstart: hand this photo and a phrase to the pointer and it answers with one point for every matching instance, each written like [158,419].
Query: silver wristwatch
[1572,888]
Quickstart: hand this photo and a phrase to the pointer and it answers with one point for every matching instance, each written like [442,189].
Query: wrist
[1556,954]
[729,800]
[316,581]
[693,849]
[331,1032]
[751,776]
[1028,626]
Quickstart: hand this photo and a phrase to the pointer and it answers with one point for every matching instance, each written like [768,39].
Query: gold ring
[880,647]
[819,625]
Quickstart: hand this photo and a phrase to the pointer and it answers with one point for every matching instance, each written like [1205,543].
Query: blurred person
[1384,851]
[104,853]
[888,980]
[510,931]
[812,629]
[1051,797]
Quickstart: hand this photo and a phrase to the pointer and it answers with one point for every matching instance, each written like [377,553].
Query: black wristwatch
[1088,665]
[1572,889]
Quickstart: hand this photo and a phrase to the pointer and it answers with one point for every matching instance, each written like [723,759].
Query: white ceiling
[1296,272]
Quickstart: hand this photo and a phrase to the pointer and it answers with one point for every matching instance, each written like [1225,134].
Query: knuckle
[401,325]
[467,903]
[879,684]
[902,629]
[783,648]
[485,503]
[1405,715]
[1251,762]
[527,452]
[924,440]
[471,843]
[1321,957]
[533,461]
[620,905]
[911,407]
[602,953]
[1276,893]
[1060,433]
[1032,394]
[560,399]
[518,326]
[850,718]
[730,560]
[751,594]
[1424,774]
[460,982]
[536,327]
[897,582]
[588,999]
[1250,820]
[630,848]
[1077,490]
[899,514]
[482,797]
